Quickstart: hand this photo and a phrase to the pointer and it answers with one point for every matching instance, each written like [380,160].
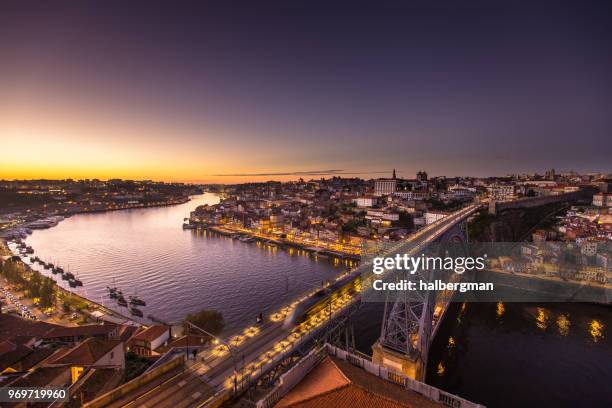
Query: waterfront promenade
[319,247]
[92,310]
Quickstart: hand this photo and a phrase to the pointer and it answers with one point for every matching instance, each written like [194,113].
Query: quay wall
[223,231]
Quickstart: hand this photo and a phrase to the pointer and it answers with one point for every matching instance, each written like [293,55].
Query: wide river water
[146,252]
[499,355]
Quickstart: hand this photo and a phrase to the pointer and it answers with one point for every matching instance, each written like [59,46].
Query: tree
[405,221]
[207,319]
[47,293]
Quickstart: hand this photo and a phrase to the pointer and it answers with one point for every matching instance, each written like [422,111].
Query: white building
[588,248]
[385,187]
[604,261]
[460,193]
[502,192]
[364,201]
[381,217]
[433,216]
[419,221]
[602,200]
[412,195]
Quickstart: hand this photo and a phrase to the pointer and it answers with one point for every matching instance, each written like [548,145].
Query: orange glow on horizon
[81,143]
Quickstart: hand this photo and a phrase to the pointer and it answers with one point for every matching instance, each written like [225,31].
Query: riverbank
[84,308]
[248,236]
[24,228]
[148,254]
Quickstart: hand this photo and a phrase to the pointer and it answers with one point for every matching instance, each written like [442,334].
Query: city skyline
[228,94]
[284,177]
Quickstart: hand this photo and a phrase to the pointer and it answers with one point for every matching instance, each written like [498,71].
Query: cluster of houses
[351,210]
[336,210]
[577,247]
[89,360]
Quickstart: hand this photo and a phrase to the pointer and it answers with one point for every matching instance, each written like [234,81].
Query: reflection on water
[499,311]
[510,362]
[441,369]
[563,323]
[176,271]
[514,362]
[541,318]
[596,329]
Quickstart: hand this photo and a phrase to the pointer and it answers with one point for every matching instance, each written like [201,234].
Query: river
[506,355]
[146,252]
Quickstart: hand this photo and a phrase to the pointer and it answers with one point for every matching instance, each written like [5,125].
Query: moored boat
[112,292]
[136,312]
[135,300]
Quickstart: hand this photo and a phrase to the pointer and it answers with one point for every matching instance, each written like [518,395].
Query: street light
[220,340]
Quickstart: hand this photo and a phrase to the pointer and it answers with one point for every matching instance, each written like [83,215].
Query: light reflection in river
[541,318]
[596,330]
[563,324]
[499,310]
[526,360]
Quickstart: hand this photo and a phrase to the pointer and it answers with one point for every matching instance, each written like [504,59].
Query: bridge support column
[398,362]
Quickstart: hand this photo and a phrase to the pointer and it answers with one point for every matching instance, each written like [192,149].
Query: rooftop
[151,333]
[338,384]
[11,325]
[41,377]
[87,330]
[86,353]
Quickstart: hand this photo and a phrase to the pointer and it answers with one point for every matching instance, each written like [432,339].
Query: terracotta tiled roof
[32,359]
[41,377]
[12,357]
[151,333]
[126,332]
[86,353]
[7,346]
[338,384]
[10,326]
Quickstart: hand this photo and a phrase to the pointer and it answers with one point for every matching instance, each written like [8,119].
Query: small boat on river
[136,312]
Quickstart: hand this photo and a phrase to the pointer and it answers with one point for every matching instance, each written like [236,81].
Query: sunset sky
[180,91]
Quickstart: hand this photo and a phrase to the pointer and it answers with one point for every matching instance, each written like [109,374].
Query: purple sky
[231,91]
